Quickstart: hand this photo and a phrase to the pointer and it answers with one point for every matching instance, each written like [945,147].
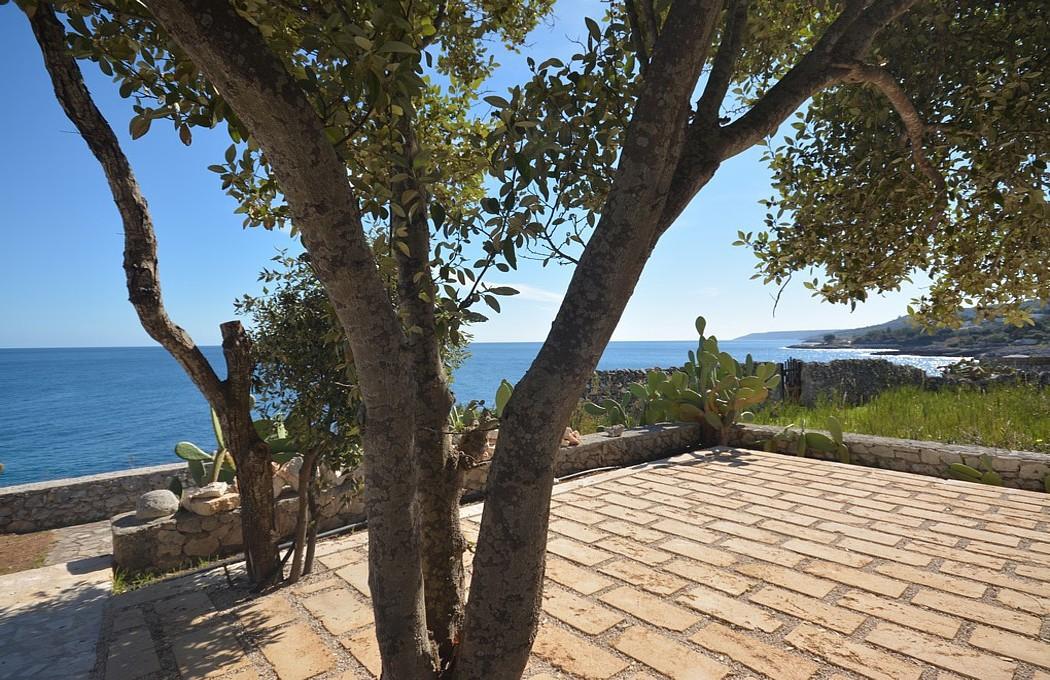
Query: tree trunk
[442,538]
[303,515]
[507,583]
[229,398]
[441,478]
[311,537]
[253,458]
[234,56]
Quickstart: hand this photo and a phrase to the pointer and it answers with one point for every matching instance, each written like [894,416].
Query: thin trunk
[302,515]
[311,537]
[440,489]
[442,538]
[229,398]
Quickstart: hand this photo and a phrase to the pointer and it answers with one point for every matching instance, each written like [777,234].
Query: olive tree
[590,162]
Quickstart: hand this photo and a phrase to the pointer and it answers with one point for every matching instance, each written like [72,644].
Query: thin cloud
[534,293]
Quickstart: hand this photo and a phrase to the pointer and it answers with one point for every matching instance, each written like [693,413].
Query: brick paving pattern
[710,565]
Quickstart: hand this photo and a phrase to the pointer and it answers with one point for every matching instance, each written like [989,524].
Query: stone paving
[84,541]
[710,565]
[51,619]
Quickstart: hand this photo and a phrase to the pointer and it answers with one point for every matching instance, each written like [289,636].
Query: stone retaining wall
[177,541]
[78,500]
[854,381]
[1019,469]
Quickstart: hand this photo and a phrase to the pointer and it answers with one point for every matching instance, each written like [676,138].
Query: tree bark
[442,543]
[506,587]
[303,515]
[253,458]
[229,398]
[234,56]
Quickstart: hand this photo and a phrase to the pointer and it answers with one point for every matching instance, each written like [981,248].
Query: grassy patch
[19,552]
[1007,416]
[124,582]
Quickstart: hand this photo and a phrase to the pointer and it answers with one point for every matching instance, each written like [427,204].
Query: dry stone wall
[181,539]
[78,500]
[1019,469]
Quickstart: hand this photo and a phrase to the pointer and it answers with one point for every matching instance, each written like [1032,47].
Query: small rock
[210,506]
[154,504]
[570,438]
[213,490]
[614,431]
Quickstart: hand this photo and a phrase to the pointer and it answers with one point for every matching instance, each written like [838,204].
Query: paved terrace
[709,565]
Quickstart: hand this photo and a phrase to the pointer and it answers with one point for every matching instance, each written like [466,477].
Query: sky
[62,285]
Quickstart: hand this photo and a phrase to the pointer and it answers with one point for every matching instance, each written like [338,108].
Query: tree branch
[140,241]
[847,40]
[638,34]
[914,125]
[721,75]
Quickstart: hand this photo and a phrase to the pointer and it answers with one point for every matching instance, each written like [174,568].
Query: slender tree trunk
[229,398]
[441,478]
[311,537]
[303,515]
[442,538]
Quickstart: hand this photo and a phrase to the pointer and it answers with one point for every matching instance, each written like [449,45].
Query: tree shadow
[51,632]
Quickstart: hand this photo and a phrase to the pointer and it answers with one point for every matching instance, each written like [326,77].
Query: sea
[67,412]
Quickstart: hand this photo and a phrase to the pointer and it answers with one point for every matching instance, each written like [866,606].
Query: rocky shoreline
[986,351]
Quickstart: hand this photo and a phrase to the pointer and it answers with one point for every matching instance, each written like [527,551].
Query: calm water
[69,412]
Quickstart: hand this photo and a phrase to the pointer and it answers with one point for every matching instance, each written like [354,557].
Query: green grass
[1008,416]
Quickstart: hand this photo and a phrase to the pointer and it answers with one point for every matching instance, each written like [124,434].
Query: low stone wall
[177,541]
[78,500]
[181,539]
[1019,469]
[853,381]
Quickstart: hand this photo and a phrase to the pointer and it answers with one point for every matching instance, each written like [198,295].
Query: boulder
[154,504]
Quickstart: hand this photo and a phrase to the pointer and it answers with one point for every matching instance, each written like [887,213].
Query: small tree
[305,379]
[230,398]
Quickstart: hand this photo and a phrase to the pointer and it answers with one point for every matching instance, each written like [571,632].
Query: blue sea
[81,411]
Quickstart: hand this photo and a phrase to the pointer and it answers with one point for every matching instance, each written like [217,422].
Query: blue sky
[61,283]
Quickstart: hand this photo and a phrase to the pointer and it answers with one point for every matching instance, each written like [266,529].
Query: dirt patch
[19,552]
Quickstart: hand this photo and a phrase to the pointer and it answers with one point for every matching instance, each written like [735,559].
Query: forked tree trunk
[229,398]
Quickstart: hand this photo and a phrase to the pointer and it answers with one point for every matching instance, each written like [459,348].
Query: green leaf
[502,290]
[497,101]
[139,125]
[191,452]
[397,46]
[593,29]
[503,394]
